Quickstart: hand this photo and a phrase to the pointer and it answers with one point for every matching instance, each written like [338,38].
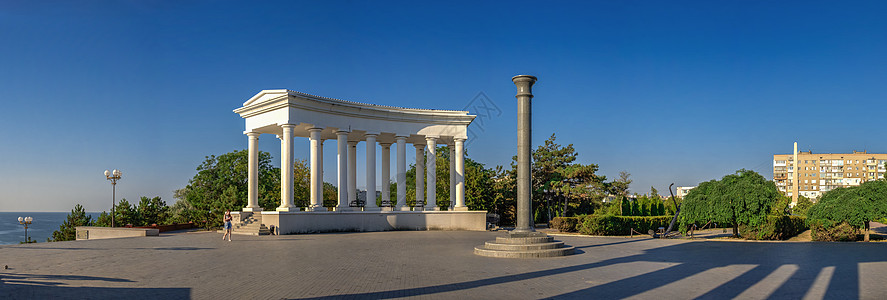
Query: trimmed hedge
[565,224]
[621,225]
[775,228]
[839,233]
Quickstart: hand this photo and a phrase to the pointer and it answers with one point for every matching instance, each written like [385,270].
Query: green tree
[181,212]
[67,231]
[626,207]
[221,184]
[635,208]
[152,211]
[743,198]
[856,206]
[802,206]
[643,205]
[619,187]
[555,170]
[126,214]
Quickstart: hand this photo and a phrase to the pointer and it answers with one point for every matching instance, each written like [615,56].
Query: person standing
[228,226]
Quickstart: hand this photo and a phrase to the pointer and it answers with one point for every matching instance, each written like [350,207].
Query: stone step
[524,253]
[524,240]
[523,247]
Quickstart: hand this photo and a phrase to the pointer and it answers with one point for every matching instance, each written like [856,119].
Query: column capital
[352,143]
[459,139]
[431,138]
[253,134]
[371,135]
[385,145]
[287,125]
[342,131]
[401,137]
[419,146]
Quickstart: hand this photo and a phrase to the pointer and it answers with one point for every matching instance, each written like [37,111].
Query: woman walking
[227,225]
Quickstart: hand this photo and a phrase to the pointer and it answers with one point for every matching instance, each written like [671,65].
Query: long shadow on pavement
[40,286]
[695,261]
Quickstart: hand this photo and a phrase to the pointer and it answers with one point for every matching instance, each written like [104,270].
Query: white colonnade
[289,114]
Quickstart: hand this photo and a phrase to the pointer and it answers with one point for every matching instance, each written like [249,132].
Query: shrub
[621,225]
[775,228]
[839,233]
[565,224]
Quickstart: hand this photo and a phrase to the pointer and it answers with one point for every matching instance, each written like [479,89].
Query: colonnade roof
[269,109]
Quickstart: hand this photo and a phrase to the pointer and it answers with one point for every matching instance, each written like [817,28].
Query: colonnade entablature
[288,114]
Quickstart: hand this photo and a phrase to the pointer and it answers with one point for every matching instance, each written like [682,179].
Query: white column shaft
[460,175]
[286,168]
[371,171]
[352,171]
[386,173]
[452,175]
[431,172]
[401,172]
[316,194]
[420,173]
[342,160]
[253,177]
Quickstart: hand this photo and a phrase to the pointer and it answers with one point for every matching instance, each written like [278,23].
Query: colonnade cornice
[365,111]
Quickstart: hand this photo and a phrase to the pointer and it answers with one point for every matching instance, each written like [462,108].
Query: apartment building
[812,174]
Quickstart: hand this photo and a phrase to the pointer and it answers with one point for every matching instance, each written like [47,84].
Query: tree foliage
[802,206]
[556,172]
[855,206]
[67,231]
[743,198]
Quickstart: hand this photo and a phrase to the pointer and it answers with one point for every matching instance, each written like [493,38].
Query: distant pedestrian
[228,225]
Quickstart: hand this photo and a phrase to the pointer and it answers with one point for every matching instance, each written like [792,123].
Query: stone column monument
[524,97]
[524,241]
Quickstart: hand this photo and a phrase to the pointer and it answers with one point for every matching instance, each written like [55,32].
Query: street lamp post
[26,221]
[113,176]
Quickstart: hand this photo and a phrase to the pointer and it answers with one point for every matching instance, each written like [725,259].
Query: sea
[41,228]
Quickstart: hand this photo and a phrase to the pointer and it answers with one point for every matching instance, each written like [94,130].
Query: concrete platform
[97,233]
[362,221]
[435,265]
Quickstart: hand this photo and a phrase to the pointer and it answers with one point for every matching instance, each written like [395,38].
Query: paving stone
[434,265]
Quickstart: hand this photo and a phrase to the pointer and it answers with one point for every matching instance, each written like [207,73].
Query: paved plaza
[436,265]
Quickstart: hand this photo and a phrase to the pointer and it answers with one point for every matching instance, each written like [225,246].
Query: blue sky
[677,91]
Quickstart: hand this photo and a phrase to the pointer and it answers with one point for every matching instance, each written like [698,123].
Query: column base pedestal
[435,208]
[316,208]
[462,208]
[288,209]
[252,209]
[403,208]
[346,208]
[372,208]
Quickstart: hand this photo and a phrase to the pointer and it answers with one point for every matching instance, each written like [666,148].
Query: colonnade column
[402,173]
[342,160]
[386,173]
[431,172]
[352,172]
[253,181]
[286,168]
[371,172]
[460,174]
[452,172]
[316,170]
[420,169]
